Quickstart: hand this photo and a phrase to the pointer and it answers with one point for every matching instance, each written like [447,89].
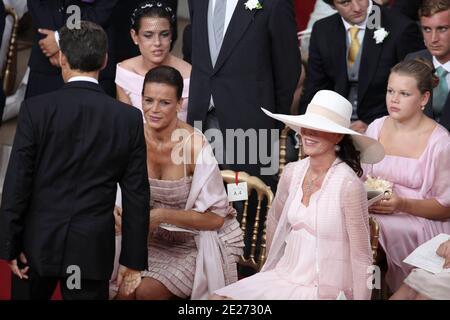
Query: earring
[423,108]
[337,148]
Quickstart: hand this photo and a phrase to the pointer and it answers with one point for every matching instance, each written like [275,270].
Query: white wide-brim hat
[330,112]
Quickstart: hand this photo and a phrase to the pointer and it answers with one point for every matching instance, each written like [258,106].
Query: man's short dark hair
[329,2]
[84,47]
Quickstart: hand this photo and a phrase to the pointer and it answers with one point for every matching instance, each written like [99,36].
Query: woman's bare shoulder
[130,64]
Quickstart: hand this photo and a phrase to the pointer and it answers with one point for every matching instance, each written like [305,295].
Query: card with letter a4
[237,192]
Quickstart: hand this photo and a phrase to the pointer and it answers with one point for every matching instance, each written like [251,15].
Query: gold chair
[379,259]
[9,69]
[256,258]
[374,236]
[283,141]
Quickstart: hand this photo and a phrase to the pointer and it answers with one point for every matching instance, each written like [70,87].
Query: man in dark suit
[2,93]
[435,21]
[242,59]
[71,148]
[49,16]
[352,54]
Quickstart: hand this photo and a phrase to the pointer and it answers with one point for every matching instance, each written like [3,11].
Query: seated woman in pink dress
[424,285]
[186,191]
[152,32]
[416,162]
[318,226]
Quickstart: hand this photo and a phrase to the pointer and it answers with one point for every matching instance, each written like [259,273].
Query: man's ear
[105,62]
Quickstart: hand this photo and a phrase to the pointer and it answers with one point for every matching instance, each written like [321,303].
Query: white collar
[437,64]
[362,25]
[83,78]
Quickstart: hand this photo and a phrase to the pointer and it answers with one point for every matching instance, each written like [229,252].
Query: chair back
[9,69]
[255,258]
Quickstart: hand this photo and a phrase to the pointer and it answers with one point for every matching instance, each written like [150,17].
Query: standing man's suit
[255,64]
[72,147]
[52,15]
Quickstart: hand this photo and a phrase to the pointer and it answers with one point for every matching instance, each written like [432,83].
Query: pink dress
[315,252]
[132,84]
[425,178]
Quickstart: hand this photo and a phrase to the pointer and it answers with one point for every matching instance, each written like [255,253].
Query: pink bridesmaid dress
[427,177]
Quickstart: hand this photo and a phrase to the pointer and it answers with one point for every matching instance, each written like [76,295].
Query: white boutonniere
[253,4]
[380,34]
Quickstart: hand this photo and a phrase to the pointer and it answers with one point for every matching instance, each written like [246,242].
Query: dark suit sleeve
[410,8]
[17,187]
[286,60]
[316,77]
[409,41]
[99,12]
[135,203]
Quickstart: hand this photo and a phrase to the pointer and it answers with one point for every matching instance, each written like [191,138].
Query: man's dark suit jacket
[410,8]
[52,15]
[445,116]
[327,61]
[258,66]
[71,148]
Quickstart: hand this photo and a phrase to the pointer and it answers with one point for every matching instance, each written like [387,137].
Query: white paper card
[171,227]
[237,192]
[425,257]
[341,296]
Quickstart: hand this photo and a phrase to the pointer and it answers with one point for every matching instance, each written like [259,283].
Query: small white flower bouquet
[377,188]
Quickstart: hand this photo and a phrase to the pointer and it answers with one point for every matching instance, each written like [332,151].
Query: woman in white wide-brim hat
[318,227]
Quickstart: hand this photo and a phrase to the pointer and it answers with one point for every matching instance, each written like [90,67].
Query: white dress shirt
[83,78]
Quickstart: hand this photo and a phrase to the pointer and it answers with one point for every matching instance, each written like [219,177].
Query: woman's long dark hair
[350,155]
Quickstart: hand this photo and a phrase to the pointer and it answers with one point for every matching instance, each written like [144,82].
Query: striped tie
[440,93]
[219,21]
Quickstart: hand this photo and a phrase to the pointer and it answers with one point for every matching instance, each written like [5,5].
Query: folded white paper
[171,227]
[425,257]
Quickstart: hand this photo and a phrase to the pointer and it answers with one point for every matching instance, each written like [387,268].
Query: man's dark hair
[166,75]
[84,47]
[329,2]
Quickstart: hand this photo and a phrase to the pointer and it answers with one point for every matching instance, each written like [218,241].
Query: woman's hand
[444,252]
[156,218]
[387,205]
[118,219]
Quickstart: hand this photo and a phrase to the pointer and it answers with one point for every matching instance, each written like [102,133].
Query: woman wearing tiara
[152,26]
